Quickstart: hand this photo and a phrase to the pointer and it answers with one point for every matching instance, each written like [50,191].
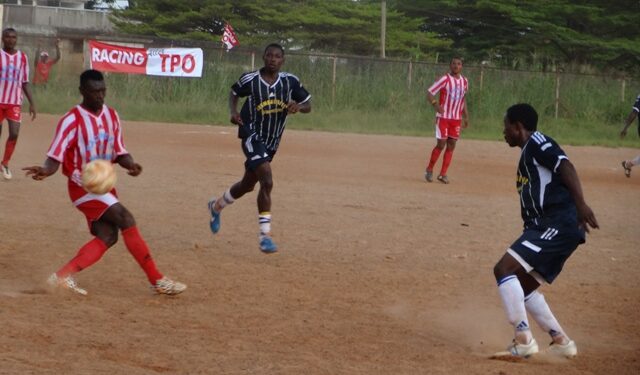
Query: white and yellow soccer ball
[99,176]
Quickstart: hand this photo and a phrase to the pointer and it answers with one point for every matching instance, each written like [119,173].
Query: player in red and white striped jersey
[14,81]
[88,132]
[451,112]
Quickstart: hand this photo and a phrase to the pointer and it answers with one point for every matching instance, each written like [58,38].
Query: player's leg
[119,216]
[508,273]
[106,235]
[441,141]
[12,139]
[453,131]
[265,178]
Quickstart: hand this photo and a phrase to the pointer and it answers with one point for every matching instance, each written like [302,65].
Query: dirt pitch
[378,273]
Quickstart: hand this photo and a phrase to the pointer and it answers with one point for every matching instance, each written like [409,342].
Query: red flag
[229,38]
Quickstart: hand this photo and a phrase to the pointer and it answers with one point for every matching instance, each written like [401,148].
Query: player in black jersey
[555,219]
[271,96]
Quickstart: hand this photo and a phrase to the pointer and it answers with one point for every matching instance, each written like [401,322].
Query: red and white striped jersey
[82,137]
[14,71]
[452,92]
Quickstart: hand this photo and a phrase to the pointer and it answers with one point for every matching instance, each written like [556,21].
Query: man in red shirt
[451,111]
[14,81]
[87,132]
[43,65]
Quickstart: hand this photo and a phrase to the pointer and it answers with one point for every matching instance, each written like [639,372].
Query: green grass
[371,96]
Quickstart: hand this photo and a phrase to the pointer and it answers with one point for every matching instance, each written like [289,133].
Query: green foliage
[538,32]
[335,26]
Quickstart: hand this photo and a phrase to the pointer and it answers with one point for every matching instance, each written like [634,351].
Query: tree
[336,26]
[598,32]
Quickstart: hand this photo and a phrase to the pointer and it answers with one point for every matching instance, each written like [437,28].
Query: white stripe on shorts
[526,266]
[108,199]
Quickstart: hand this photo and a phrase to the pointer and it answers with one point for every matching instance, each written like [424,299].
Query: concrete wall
[39,20]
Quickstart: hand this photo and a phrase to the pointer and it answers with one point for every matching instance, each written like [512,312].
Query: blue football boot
[214,222]
[267,245]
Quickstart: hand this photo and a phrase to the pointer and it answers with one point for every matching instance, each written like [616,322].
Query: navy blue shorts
[256,152]
[545,249]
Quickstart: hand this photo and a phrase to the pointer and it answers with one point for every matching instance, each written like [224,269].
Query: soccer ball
[98,176]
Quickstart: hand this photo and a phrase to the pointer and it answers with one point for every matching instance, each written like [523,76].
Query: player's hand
[465,124]
[36,172]
[236,119]
[32,111]
[293,107]
[586,218]
[623,133]
[135,170]
[439,109]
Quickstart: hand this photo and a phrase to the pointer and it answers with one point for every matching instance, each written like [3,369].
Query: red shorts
[10,112]
[93,206]
[447,128]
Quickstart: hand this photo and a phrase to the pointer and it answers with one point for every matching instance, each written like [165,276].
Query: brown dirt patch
[378,273]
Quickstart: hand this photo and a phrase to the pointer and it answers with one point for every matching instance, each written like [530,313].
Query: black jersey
[543,196]
[265,110]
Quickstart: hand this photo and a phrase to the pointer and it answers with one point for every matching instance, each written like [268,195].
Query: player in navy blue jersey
[271,96]
[628,164]
[555,219]
[632,116]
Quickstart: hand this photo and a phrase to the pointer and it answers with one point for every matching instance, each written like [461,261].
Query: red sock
[446,160]
[435,154]
[140,251]
[8,151]
[88,254]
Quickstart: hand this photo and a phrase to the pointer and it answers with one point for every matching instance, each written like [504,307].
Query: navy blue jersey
[265,110]
[543,196]
[636,108]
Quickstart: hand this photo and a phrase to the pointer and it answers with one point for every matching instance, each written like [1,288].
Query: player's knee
[266,183]
[498,271]
[109,238]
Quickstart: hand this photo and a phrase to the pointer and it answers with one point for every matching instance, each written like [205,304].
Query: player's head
[455,65]
[93,89]
[273,57]
[519,121]
[44,56]
[9,38]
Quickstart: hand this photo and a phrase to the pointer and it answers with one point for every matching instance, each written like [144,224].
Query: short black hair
[90,75]
[9,29]
[274,45]
[525,114]
[456,58]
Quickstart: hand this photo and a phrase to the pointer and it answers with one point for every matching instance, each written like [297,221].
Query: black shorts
[256,152]
[545,249]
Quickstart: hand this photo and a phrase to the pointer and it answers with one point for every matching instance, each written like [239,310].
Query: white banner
[174,62]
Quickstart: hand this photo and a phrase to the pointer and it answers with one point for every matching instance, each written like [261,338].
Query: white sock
[633,162]
[224,201]
[264,220]
[537,306]
[513,302]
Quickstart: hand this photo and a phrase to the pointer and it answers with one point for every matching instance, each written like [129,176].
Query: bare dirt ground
[378,272]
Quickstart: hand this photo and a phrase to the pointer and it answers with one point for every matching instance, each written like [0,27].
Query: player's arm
[37,57]
[57,51]
[570,179]
[434,102]
[126,161]
[632,116]
[465,115]
[294,107]
[26,88]
[38,173]
[233,109]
